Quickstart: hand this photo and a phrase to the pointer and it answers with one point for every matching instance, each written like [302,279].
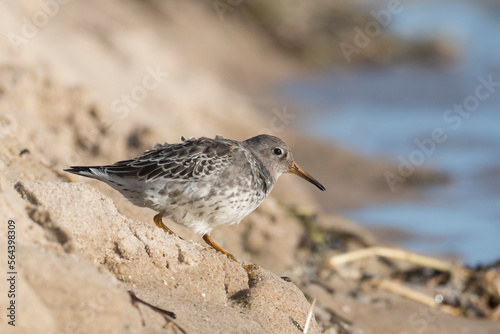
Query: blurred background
[388,109]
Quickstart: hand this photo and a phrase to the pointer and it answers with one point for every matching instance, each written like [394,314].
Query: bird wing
[191,159]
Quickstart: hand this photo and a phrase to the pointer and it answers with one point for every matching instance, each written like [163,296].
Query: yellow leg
[159,223]
[212,244]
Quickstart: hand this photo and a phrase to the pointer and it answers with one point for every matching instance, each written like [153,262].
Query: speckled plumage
[201,183]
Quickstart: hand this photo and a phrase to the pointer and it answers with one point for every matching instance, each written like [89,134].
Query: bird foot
[232,257]
[159,222]
[250,267]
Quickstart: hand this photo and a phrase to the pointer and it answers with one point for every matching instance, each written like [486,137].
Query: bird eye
[278,151]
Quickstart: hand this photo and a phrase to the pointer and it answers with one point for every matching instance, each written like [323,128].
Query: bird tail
[116,180]
[93,172]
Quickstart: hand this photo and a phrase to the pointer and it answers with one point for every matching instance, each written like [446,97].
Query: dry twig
[396,286]
[392,253]
[400,289]
[309,316]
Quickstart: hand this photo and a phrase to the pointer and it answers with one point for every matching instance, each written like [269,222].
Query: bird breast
[205,205]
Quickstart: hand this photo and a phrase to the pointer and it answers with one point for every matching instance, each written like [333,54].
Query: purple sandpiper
[201,183]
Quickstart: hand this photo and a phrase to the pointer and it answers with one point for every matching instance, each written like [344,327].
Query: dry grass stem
[309,316]
[392,253]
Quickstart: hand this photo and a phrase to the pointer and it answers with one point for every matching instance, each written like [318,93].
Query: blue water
[382,111]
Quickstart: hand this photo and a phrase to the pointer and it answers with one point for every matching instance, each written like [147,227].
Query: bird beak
[295,169]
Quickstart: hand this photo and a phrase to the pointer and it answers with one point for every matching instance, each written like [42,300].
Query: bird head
[277,157]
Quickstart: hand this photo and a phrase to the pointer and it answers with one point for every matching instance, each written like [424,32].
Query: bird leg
[212,244]
[159,223]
